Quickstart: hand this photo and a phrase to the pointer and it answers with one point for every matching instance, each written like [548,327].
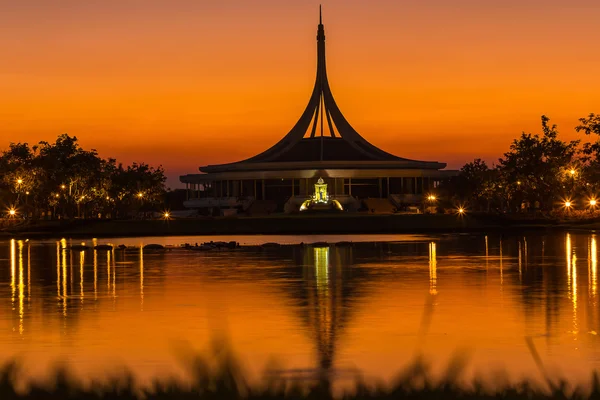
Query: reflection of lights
[142,278]
[322,266]
[572,278]
[64,275]
[21,288]
[81,264]
[13,267]
[594,266]
[432,268]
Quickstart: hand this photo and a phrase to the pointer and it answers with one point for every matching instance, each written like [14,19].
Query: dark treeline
[539,173]
[62,180]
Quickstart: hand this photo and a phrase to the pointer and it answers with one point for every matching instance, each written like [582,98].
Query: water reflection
[341,298]
[433,268]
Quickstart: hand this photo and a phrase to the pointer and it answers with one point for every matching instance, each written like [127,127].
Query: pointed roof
[322,134]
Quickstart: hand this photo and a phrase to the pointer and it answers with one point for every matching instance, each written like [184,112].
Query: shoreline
[295,225]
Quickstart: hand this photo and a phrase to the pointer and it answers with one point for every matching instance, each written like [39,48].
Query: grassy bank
[222,378]
[293,224]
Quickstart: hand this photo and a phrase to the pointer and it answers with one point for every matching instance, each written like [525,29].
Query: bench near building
[322,145]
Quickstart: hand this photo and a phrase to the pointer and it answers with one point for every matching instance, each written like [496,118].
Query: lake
[370,306]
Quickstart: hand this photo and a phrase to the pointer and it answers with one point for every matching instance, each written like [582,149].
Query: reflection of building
[321,144]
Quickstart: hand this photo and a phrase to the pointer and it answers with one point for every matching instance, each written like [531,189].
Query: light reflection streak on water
[432,268]
[142,278]
[324,327]
[28,273]
[95,274]
[13,270]
[114,280]
[572,280]
[594,269]
[58,269]
[322,268]
[568,255]
[21,288]
[63,244]
[108,261]
[81,264]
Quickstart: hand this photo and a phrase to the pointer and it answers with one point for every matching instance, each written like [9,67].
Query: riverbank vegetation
[223,378]
[62,180]
[539,173]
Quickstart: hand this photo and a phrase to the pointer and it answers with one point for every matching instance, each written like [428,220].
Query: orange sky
[188,83]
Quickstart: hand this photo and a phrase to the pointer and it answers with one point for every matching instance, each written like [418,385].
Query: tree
[476,184]
[590,125]
[540,166]
[61,178]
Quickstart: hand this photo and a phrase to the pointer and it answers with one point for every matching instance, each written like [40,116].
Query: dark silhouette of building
[322,144]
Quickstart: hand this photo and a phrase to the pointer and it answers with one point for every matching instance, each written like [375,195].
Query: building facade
[321,145]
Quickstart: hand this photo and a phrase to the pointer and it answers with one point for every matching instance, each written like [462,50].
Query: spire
[320,19]
[343,143]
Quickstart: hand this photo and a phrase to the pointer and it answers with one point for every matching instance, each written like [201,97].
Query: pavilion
[321,145]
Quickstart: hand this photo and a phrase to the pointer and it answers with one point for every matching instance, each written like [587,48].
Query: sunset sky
[194,82]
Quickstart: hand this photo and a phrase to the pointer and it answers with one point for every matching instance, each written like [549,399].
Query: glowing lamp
[567,204]
[140,195]
[12,212]
[167,215]
[63,187]
[593,202]
[19,181]
[572,171]
[461,210]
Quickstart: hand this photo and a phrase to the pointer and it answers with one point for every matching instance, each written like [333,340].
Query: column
[380,189]
[350,186]
[263,190]
[292,187]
